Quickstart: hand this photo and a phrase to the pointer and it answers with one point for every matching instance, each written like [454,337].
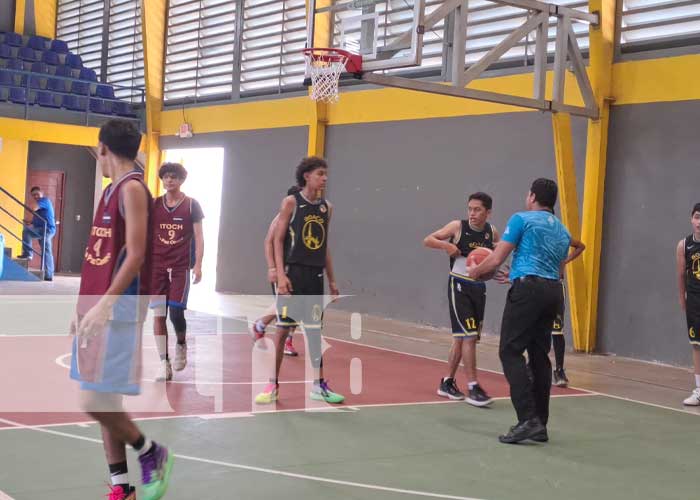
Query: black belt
[531,278]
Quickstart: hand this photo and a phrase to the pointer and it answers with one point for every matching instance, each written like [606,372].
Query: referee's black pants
[530,309]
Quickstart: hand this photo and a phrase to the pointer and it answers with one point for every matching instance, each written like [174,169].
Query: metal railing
[28,77]
[9,232]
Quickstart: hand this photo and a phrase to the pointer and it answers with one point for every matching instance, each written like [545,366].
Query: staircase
[14,269]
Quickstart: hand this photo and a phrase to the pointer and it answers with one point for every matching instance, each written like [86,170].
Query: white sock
[162,346]
[120,479]
[147,445]
[259,326]
[472,384]
[697,380]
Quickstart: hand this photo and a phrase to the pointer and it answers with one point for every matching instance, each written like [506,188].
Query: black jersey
[468,240]
[306,239]
[692,265]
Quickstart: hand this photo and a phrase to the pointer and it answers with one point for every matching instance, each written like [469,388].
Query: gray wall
[7,15]
[393,183]
[79,168]
[652,183]
[258,169]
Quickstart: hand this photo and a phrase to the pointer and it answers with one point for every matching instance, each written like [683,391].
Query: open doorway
[205,170]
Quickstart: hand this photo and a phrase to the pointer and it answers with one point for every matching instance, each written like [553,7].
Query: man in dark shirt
[35,231]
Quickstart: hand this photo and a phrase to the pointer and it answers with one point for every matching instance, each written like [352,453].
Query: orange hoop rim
[353,62]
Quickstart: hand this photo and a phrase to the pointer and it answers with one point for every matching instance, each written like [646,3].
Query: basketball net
[325,71]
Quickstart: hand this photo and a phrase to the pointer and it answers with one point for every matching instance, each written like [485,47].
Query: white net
[325,74]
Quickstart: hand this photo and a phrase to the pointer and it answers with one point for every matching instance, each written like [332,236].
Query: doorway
[52,184]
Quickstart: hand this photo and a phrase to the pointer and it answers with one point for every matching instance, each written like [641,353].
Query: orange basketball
[477,256]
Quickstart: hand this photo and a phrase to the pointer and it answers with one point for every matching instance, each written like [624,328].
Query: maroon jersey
[173,232]
[106,251]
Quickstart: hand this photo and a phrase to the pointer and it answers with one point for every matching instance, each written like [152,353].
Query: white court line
[276,472]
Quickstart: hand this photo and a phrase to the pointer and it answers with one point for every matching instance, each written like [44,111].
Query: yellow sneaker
[269,395]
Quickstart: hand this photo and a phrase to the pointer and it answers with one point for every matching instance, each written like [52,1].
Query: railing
[8,231]
[28,76]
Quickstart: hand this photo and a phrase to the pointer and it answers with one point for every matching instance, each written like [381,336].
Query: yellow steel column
[566,175]
[153,19]
[45,17]
[20,9]
[319,113]
[602,42]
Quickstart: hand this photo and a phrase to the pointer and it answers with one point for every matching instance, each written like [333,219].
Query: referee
[541,244]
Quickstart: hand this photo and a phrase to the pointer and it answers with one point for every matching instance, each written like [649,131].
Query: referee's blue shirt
[541,244]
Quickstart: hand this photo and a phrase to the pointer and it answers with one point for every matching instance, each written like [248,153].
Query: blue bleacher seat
[50,57]
[46,99]
[88,74]
[80,88]
[40,67]
[59,46]
[57,85]
[15,64]
[35,81]
[27,54]
[18,95]
[74,61]
[13,39]
[100,106]
[74,102]
[64,71]
[105,91]
[37,43]
[7,79]
[122,108]
[5,51]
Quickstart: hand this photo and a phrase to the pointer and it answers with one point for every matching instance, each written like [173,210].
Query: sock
[697,380]
[259,326]
[142,445]
[318,381]
[181,338]
[162,346]
[275,381]
[446,379]
[472,384]
[559,348]
[119,475]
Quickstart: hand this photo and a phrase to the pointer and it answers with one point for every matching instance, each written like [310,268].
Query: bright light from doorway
[205,169]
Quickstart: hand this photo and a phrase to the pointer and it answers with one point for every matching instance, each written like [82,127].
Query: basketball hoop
[324,66]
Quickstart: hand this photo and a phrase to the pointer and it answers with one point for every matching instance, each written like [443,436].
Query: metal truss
[539,13]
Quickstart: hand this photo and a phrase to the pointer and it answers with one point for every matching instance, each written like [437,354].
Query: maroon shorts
[171,285]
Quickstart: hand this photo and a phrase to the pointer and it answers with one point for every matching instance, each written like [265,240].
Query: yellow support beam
[319,115]
[566,175]
[45,17]
[13,178]
[153,18]
[20,9]
[602,41]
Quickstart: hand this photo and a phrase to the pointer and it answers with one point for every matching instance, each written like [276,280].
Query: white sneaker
[694,399]
[180,357]
[165,373]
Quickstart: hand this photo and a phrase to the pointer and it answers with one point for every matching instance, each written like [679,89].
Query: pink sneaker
[118,493]
[289,348]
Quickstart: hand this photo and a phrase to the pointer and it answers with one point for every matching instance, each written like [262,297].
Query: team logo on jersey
[691,332]
[93,255]
[316,312]
[106,219]
[323,209]
[696,265]
[168,234]
[314,232]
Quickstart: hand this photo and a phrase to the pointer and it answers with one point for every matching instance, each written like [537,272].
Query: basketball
[477,256]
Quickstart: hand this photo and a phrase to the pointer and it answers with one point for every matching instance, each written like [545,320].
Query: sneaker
[322,392]
[478,397]
[118,493]
[180,357]
[165,373]
[270,394]
[559,378]
[289,348]
[529,429]
[23,257]
[694,399]
[448,389]
[156,466]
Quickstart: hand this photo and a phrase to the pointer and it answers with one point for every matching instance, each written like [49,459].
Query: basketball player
[258,327]
[688,266]
[177,222]
[466,297]
[107,350]
[301,255]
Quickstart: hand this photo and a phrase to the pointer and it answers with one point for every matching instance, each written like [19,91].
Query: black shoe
[23,257]
[478,397]
[529,429]
[448,389]
[48,279]
[559,378]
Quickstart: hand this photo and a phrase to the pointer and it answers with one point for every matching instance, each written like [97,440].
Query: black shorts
[305,305]
[467,302]
[558,325]
[692,316]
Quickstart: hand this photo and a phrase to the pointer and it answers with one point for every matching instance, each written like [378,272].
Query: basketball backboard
[386,33]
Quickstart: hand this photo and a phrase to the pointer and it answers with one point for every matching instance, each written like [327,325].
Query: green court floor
[600,448]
